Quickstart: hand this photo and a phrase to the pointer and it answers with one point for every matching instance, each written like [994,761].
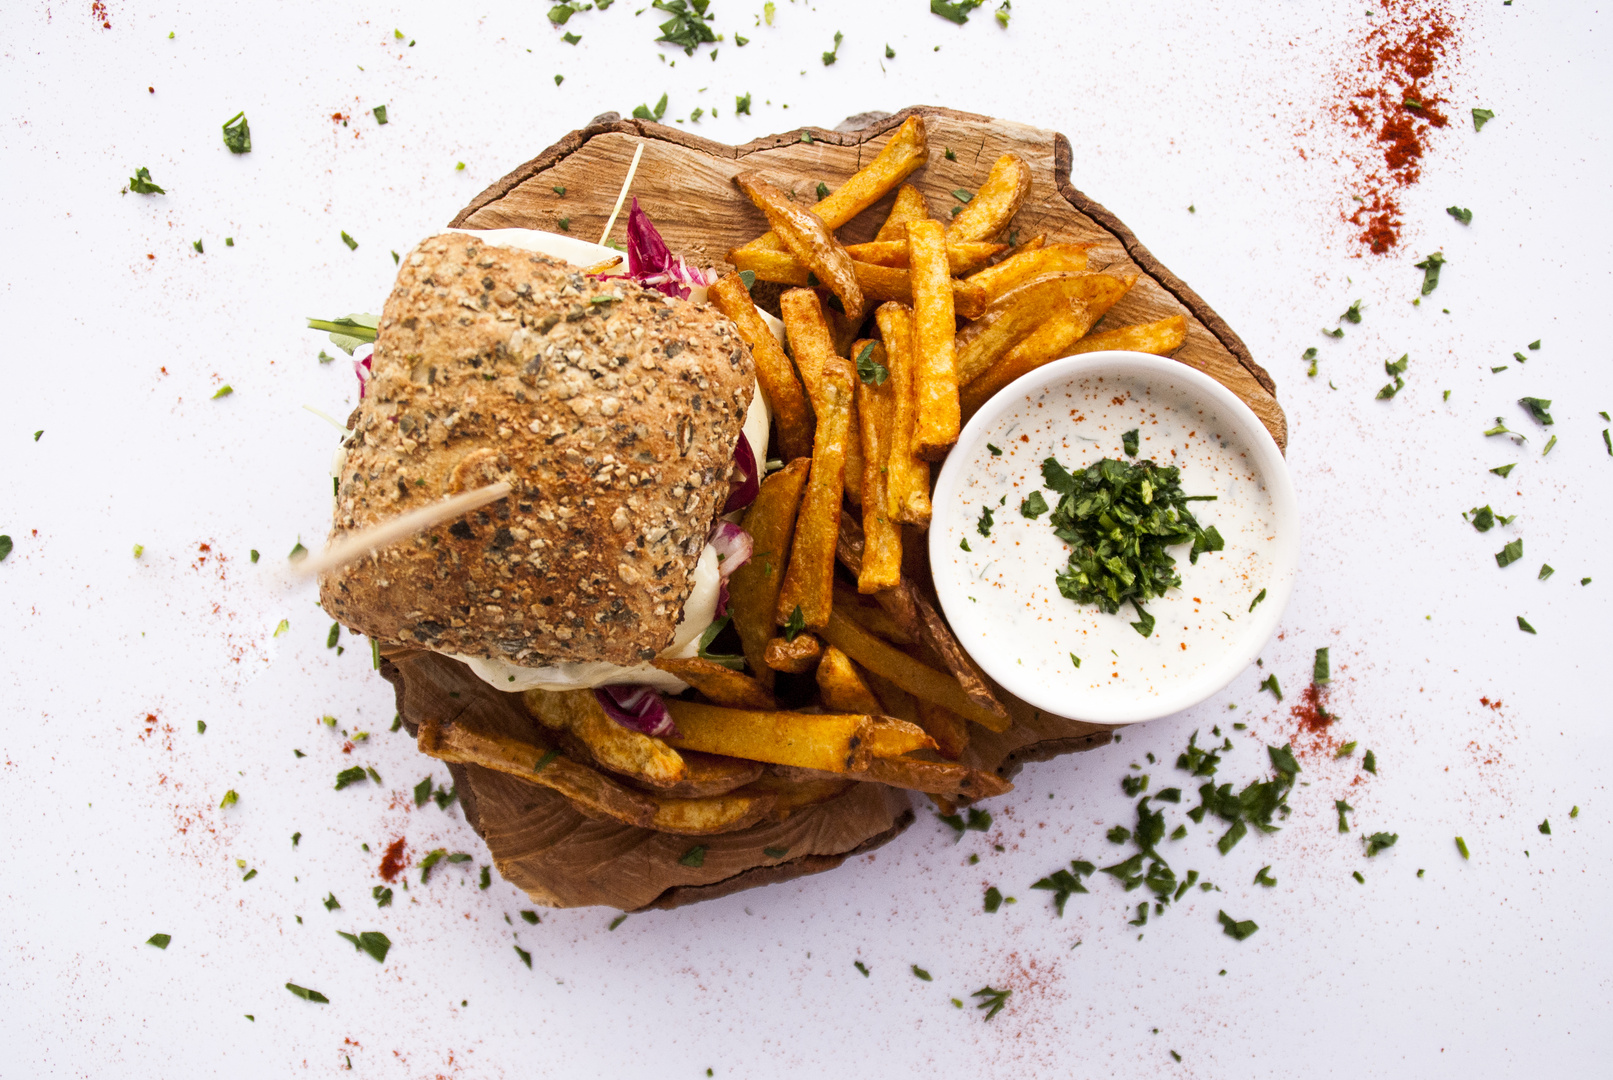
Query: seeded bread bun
[613,410]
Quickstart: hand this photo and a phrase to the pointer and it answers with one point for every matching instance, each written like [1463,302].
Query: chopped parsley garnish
[619,920]
[372,942]
[695,856]
[380,114]
[996,451]
[890,54]
[919,972]
[1523,624]
[230,799]
[352,245]
[961,195]
[1461,846]
[687,27]
[1369,762]
[1460,214]
[1359,880]
[1537,408]
[1511,553]
[346,777]
[1270,683]
[1503,470]
[644,112]
[1076,660]
[1321,669]
[1119,517]
[957,12]
[833,55]
[140,183]
[1129,442]
[1119,834]
[569,38]
[1380,840]
[307,994]
[795,624]
[1430,268]
[964,544]
[977,821]
[382,896]
[1544,827]
[1034,505]
[1481,518]
[1481,117]
[983,526]
[1545,572]
[331,903]
[197,244]
[159,940]
[868,370]
[1352,314]
[1264,877]
[860,966]
[993,1000]
[1551,442]
[994,900]
[1343,808]
[742,105]
[1395,369]
[1065,883]
[747,278]
[1336,332]
[526,957]
[224,391]
[1261,595]
[1235,929]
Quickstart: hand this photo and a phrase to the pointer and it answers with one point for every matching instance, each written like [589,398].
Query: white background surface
[1489,967]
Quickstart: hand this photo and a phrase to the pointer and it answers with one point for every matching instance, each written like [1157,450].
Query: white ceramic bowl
[998,590]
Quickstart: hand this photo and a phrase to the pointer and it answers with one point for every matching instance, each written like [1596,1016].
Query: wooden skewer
[365,543]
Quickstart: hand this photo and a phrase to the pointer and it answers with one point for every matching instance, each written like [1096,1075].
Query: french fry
[882,284]
[949,730]
[916,678]
[592,793]
[809,239]
[774,373]
[910,205]
[887,737]
[1023,265]
[1052,340]
[809,580]
[753,588]
[711,774]
[806,788]
[1035,243]
[829,742]
[722,685]
[903,153]
[996,203]
[962,259]
[811,342]
[795,657]
[1160,338]
[907,478]
[935,376]
[841,687]
[875,407]
[937,777]
[619,749]
[1013,316]
[779,267]
[871,616]
[896,701]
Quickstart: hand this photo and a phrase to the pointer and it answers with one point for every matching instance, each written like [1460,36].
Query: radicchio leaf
[733,546]
[638,708]
[363,370]
[748,483]
[651,263]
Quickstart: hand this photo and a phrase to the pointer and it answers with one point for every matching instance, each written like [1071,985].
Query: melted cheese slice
[701,607]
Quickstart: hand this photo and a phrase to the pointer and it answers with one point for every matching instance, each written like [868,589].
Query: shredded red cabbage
[733,546]
[749,481]
[363,370]
[651,263]
[638,708]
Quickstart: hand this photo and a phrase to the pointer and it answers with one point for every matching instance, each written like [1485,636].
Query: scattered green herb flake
[1235,929]
[832,56]
[1346,750]
[380,114]
[350,776]
[1129,442]
[224,391]
[983,526]
[1545,572]
[741,105]
[1261,595]
[994,899]
[1378,841]
[687,27]
[795,624]
[869,370]
[961,195]
[1321,669]
[1481,518]
[230,799]
[920,973]
[307,994]
[1538,409]
[159,940]
[141,184]
[1369,762]
[558,79]
[1352,314]
[1336,332]
[964,544]
[1523,624]
[372,942]
[526,957]
[1033,506]
[1076,660]
[992,1000]
[996,451]
[1430,267]
[1544,827]
[352,245]
[1574,813]
[1481,117]
[1358,878]
[1119,834]
[432,859]
[1504,470]
[1343,808]
[860,966]
[382,896]
[1510,554]
[695,856]
[1270,683]
[1460,214]
[1264,877]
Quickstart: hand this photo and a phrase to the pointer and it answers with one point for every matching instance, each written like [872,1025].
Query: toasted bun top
[613,410]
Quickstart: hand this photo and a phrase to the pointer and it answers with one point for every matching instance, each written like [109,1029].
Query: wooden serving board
[538,841]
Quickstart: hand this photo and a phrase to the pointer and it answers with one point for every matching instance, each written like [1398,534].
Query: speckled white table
[121,333]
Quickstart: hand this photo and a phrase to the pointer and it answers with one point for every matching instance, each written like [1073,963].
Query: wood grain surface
[538,841]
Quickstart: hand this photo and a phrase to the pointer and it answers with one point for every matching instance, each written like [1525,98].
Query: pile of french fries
[952,317]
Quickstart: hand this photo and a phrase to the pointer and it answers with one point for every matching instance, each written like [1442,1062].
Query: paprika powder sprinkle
[1388,100]
[393,863]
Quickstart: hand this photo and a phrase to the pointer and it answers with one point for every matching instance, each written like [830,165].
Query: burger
[622,411]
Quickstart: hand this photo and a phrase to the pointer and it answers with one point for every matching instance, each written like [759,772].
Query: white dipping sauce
[1001,596]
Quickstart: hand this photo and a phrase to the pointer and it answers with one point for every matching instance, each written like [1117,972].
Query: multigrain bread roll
[613,410]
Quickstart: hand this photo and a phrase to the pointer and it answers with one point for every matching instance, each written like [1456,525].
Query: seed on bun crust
[612,409]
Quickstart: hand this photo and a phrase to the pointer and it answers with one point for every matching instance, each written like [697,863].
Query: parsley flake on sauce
[1033,506]
[1261,595]
[983,526]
